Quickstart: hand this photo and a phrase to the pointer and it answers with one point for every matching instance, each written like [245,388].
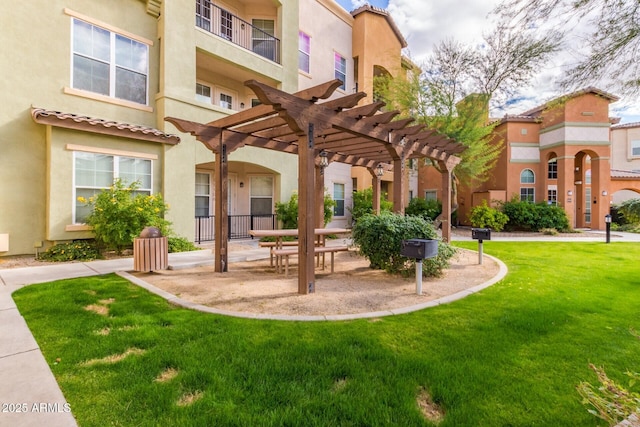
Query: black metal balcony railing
[224,24]
[239,226]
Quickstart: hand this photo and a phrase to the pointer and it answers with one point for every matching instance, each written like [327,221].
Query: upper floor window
[635,148]
[527,177]
[552,169]
[304,51]
[263,38]
[108,63]
[203,14]
[203,93]
[340,66]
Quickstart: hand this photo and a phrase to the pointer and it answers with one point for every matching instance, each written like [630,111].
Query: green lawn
[511,355]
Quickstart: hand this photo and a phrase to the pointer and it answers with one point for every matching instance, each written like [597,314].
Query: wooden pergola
[337,129]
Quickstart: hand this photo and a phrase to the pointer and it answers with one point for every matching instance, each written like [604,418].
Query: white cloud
[424,24]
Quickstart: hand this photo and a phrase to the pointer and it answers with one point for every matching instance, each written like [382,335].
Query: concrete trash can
[150,251]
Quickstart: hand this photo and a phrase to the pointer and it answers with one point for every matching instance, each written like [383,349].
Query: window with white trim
[552,169]
[94,172]
[340,67]
[527,177]
[527,194]
[552,197]
[263,40]
[203,93]
[108,63]
[635,148]
[304,51]
[261,195]
[203,14]
[203,194]
[431,195]
[338,197]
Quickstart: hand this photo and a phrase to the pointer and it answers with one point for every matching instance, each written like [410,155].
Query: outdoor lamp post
[607,221]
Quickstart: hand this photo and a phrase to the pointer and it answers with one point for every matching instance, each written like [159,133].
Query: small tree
[119,215]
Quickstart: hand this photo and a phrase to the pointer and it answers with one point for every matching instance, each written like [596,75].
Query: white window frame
[431,195]
[202,98]
[304,53]
[208,195]
[522,181]
[339,74]
[343,199]
[552,170]
[272,37]
[251,196]
[525,197]
[221,90]
[115,173]
[111,62]
[634,148]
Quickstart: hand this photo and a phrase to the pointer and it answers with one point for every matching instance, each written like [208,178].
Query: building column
[600,191]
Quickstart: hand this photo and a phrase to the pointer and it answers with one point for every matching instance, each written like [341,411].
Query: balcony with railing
[257,37]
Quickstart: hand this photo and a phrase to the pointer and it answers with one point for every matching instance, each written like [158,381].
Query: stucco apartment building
[87,85]
[568,151]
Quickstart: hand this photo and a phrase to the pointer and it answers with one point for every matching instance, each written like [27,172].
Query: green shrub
[363,204]
[119,215]
[80,250]
[379,239]
[288,212]
[529,216]
[180,244]
[630,211]
[549,231]
[427,209]
[484,216]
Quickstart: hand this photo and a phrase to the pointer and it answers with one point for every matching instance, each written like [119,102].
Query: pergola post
[375,183]
[319,195]
[221,208]
[446,169]
[398,186]
[306,211]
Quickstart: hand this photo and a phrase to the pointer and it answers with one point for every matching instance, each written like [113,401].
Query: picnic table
[279,251]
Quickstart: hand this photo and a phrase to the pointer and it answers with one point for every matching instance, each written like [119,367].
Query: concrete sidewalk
[29,393]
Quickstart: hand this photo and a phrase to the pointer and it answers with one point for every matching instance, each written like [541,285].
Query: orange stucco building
[559,153]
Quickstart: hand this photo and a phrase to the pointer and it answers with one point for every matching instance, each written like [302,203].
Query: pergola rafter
[299,124]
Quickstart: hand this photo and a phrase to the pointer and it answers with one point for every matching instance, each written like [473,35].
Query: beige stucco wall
[37,38]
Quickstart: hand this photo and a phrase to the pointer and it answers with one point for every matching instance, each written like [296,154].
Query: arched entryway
[591,187]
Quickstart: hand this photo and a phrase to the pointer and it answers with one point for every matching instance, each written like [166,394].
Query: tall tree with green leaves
[458,86]
[602,36]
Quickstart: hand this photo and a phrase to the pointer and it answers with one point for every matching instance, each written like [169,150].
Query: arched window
[527,177]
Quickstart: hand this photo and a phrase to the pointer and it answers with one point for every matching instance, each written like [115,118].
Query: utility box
[419,248]
[481,234]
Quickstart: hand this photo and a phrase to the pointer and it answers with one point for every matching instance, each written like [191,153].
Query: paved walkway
[29,394]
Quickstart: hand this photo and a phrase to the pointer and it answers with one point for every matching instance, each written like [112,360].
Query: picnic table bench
[287,252]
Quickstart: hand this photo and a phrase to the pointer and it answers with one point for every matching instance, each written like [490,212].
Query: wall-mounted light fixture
[324,161]
[241,184]
[604,192]
[569,193]
[242,105]
[379,170]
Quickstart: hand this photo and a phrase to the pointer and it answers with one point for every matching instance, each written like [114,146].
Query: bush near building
[528,216]
[484,216]
[427,209]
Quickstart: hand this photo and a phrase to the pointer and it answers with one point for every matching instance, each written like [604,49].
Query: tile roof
[97,125]
[619,173]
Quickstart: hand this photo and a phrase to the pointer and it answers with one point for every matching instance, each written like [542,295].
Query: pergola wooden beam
[299,124]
